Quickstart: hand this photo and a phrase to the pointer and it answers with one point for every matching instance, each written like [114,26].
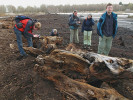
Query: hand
[78,22]
[35,35]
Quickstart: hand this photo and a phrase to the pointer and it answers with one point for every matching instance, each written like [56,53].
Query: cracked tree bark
[87,68]
[76,88]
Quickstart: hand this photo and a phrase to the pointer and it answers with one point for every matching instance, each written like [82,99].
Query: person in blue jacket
[87,30]
[107,29]
[74,24]
[54,32]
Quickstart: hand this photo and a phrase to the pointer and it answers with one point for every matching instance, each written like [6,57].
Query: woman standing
[87,30]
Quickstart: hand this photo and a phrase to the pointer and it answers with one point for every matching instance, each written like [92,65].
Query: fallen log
[67,62]
[48,40]
[36,52]
[47,43]
[53,39]
[74,88]
[72,48]
[115,67]
[33,51]
[90,67]
[117,72]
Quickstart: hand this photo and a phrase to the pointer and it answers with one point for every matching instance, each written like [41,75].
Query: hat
[38,25]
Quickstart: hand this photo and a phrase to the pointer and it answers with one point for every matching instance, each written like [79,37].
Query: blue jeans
[19,41]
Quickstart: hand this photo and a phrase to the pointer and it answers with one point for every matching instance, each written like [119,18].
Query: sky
[37,3]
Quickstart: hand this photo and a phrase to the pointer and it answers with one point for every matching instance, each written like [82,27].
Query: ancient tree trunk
[33,51]
[91,67]
[75,88]
[117,72]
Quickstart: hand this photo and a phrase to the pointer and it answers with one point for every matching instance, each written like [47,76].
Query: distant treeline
[64,8]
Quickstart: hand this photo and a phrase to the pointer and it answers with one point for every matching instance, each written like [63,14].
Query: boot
[22,57]
[89,48]
[85,46]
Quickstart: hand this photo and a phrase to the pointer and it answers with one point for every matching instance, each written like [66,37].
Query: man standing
[25,27]
[74,24]
[106,29]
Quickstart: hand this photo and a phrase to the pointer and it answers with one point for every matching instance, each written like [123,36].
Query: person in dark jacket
[28,26]
[74,24]
[54,33]
[87,30]
[106,29]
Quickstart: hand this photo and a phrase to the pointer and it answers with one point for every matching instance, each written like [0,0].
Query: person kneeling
[54,33]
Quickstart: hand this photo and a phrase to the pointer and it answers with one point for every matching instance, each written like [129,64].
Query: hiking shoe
[84,46]
[25,56]
[89,48]
[22,57]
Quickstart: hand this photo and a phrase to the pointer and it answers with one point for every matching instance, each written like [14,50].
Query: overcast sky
[37,3]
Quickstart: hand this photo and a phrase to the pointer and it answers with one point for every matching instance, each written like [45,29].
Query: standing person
[106,29]
[74,24]
[25,28]
[87,30]
[54,33]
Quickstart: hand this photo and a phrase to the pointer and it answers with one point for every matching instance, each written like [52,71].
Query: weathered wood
[117,72]
[67,61]
[70,86]
[33,51]
[48,40]
[72,48]
[47,43]
[112,67]
[53,39]
[90,67]
[7,23]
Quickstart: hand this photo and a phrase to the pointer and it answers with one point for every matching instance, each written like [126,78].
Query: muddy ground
[18,81]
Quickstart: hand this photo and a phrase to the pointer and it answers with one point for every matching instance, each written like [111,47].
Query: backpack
[70,16]
[19,18]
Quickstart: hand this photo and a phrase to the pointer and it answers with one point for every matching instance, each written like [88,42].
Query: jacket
[87,24]
[73,22]
[27,27]
[101,23]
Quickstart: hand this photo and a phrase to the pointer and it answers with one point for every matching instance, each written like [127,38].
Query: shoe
[89,48]
[22,57]
[84,46]
[25,56]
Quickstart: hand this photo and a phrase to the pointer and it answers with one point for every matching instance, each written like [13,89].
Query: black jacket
[87,24]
